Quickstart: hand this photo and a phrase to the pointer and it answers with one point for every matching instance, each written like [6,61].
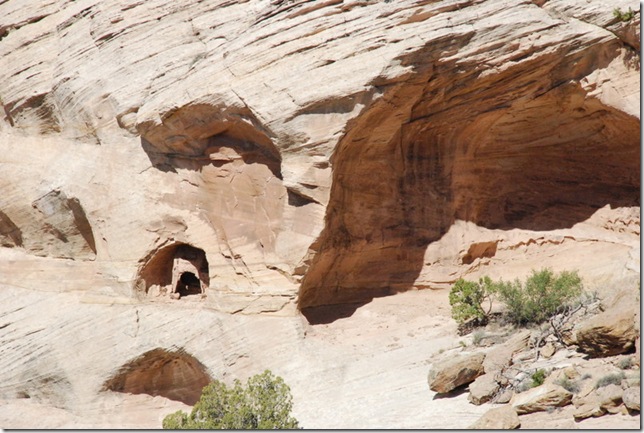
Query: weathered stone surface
[175,375]
[319,154]
[609,333]
[500,356]
[588,409]
[499,418]
[609,396]
[504,397]
[541,398]
[631,397]
[558,419]
[571,372]
[250,151]
[548,350]
[608,422]
[53,225]
[452,373]
[323,365]
[483,389]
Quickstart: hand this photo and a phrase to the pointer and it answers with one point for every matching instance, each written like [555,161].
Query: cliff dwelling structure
[176,271]
[297,186]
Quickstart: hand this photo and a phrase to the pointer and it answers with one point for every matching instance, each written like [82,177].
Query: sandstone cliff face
[317,153]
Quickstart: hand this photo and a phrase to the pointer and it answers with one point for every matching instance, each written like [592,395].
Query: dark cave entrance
[545,156]
[188,284]
[176,270]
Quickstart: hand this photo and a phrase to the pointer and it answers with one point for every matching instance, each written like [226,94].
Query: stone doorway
[177,271]
[188,284]
[189,272]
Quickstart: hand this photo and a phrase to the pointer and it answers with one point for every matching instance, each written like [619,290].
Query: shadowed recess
[10,233]
[159,268]
[175,375]
[542,156]
[199,134]
[65,230]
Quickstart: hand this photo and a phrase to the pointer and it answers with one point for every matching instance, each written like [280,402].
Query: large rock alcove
[524,148]
[175,270]
[175,375]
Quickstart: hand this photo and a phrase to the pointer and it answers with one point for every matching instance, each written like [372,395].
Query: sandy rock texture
[540,398]
[455,371]
[500,418]
[311,157]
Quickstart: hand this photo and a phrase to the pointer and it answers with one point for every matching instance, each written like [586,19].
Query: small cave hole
[188,284]
[297,199]
[176,270]
[480,250]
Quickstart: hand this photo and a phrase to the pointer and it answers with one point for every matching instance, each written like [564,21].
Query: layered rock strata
[313,155]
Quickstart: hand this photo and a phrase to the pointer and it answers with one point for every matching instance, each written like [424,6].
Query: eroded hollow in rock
[196,135]
[176,375]
[178,269]
[542,155]
[479,250]
[10,233]
[59,228]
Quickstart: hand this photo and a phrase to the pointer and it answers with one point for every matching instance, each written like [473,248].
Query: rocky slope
[315,155]
[581,364]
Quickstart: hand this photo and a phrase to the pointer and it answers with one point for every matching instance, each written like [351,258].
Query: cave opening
[176,375]
[175,270]
[540,160]
[188,284]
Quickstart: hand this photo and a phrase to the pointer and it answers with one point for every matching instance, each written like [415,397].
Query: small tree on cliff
[539,298]
[467,298]
[265,403]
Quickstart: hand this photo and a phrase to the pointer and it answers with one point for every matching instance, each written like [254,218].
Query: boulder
[483,389]
[454,372]
[501,356]
[609,333]
[504,397]
[631,398]
[541,398]
[548,350]
[631,380]
[610,397]
[588,409]
[571,372]
[499,418]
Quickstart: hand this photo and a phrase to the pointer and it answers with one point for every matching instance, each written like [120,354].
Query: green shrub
[623,16]
[568,385]
[613,378]
[538,377]
[466,299]
[540,297]
[265,403]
